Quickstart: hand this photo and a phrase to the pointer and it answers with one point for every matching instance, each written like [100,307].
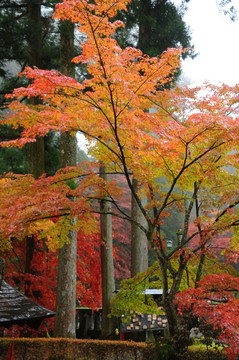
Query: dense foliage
[215,299]
[41,281]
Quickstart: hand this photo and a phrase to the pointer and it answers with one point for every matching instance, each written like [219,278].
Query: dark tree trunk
[36,156]
[168,298]
[145,30]
[36,159]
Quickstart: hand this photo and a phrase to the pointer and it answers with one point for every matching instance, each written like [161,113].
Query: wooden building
[15,308]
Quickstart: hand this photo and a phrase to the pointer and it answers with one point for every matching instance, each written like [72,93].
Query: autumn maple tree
[180,144]
[215,301]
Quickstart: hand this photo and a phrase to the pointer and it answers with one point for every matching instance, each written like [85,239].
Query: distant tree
[154,26]
[28,37]
[139,241]
[17,31]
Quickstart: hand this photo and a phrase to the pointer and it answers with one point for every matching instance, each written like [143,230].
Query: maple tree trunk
[139,242]
[171,313]
[107,263]
[64,325]
[168,301]
[169,293]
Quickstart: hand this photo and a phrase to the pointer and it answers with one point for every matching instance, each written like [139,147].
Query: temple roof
[15,308]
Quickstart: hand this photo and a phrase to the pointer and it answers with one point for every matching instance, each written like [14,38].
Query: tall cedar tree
[65,325]
[36,155]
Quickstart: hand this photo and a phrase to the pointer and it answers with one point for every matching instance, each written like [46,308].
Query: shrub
[74,349]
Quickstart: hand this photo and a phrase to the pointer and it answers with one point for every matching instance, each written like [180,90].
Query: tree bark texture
[139,242]
[66,280]
[168,300]
[36,153]
[64,325]
[107,263]
[36,159]
[144,25]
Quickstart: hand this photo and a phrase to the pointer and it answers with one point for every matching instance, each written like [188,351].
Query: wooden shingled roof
[15,308]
